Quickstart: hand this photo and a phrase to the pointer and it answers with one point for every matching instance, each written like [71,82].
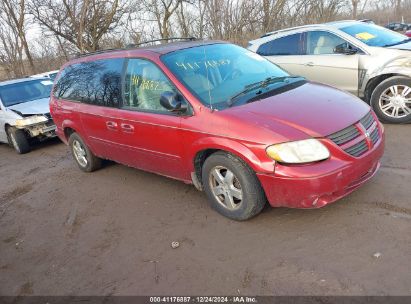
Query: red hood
[314,109]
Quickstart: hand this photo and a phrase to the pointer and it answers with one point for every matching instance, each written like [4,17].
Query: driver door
[320,62]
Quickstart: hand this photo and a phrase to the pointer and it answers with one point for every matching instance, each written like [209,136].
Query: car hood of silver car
[403,46]
[38,106]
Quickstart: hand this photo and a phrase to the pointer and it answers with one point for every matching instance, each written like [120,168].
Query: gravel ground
[64,232]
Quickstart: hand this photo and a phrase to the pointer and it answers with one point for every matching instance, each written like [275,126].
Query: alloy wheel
[395,101]
[226,188]
[80,153]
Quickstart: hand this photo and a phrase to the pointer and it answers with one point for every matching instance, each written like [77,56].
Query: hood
[403,46]
[312,109]
[38,106]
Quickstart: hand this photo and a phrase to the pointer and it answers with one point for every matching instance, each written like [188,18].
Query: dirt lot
[64,232]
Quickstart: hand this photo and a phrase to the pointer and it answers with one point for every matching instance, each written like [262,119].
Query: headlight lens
[298,152]
[31,120]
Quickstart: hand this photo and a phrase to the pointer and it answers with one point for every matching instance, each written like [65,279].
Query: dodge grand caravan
[220,117]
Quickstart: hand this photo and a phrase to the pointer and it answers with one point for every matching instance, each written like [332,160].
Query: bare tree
[81,22]
[16,12]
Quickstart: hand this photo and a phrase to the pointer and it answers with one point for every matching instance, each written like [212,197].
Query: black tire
[93,162]
[253,196]
[379,90]
[18,140]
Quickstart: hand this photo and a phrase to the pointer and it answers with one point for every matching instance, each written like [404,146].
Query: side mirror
[173,102]
[345,49]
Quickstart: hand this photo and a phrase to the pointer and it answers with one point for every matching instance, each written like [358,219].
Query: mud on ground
[64,232]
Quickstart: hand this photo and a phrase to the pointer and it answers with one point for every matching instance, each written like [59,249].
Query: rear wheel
[84,158]
[232,187]
[18,140]
[391,100]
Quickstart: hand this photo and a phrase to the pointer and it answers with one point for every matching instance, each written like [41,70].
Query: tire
[380,104]
[244,180]
[84,158]
[18,140]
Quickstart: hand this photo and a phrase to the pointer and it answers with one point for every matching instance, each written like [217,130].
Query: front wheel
[84,158]
[18,140]
[232,187]
[391,100]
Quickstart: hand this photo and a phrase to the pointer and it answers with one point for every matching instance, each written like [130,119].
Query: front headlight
[31,120]
[298,152]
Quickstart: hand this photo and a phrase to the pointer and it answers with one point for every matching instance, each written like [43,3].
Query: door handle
[127,128]
[310,64]
[111,125]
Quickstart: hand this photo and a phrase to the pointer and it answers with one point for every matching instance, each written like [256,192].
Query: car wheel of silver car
[232,187]
[84,158]
[391,100]
[18,140]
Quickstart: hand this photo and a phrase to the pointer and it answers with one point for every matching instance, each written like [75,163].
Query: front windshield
[20,92]
[216,72]
[374,35]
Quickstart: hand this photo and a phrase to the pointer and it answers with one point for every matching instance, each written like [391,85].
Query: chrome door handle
[111,125]
[127,128]
[310,64]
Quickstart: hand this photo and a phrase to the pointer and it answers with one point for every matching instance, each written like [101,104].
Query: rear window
[96,82]
[284,46]
[21,92]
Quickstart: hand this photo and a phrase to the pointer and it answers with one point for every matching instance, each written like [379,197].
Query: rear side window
[284,46]
[96,82]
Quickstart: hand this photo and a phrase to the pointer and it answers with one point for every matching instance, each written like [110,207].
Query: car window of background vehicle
[373,35]
[321,42]
[25,91]
[284,46]
[97,82]
[144,84]
[214,73]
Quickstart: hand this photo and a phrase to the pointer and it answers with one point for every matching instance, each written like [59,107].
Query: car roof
[18,80]
[334,24]
[160,49]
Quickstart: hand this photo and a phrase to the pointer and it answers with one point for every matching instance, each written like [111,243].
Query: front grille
[346,135]
[375,136]
[367,120]
[358,149]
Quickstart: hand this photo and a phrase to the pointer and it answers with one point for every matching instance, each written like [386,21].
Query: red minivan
[220,117]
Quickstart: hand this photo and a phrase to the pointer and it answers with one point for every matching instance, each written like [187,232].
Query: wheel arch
[202,150]
[68,128]
[376,80]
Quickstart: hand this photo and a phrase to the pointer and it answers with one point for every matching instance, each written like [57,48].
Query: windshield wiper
[397,43]
[256,85]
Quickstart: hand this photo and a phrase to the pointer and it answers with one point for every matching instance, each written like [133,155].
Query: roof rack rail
[129,46]
[161,39]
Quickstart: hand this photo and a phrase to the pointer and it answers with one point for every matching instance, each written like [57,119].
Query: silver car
[24,112]
[364,59]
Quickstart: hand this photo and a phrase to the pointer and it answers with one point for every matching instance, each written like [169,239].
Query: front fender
[400,66]
[253,154]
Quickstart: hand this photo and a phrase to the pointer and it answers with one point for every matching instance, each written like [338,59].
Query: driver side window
[144,84]
[322,43]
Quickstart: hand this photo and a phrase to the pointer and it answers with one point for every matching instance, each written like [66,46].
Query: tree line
[40,35]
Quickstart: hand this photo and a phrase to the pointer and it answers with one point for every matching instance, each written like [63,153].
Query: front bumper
[316,185]
[47,129]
